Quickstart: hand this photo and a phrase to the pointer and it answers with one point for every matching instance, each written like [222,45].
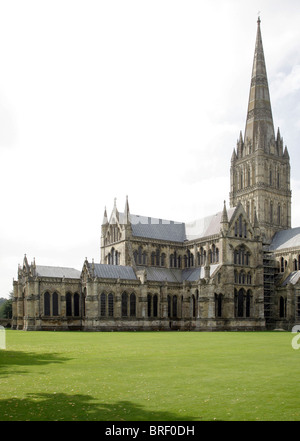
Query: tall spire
[259,125]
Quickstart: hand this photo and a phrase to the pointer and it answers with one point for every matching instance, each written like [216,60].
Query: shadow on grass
[63,407]
[13,359]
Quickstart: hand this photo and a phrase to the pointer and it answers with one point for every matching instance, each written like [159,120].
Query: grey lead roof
[176,275]
[292,278]
[207,226]
[113,271]
[161,229]
[286,239]
[57,271]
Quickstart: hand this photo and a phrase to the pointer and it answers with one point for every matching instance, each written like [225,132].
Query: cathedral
[238,269]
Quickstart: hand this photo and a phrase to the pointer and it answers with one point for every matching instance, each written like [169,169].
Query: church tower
[260,166]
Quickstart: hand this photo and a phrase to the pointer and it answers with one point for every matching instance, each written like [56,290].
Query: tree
[6,307]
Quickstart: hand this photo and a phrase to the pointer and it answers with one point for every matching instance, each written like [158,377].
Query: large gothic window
[278,215]
[193,306]
[132,305]
[271,212]
[140,256]
[248,303]
[282,307]
[76,304]
[169,305]
[240,303]
[174,304]
[155,304]
[55,303]
[46,304]
[152,303]
[103,305]
[218,305]
[124,304]
[110,305]
[69,304]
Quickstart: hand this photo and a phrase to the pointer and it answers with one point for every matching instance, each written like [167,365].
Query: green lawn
[149,376]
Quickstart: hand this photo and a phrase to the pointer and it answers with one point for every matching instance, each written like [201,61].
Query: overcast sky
[103,99]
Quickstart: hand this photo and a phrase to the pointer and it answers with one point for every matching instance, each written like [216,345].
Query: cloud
[286,83]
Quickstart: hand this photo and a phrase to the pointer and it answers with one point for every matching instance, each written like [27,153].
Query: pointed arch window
[149,301]
[240,303]
[155,304]
[110,305]
[174,305]
[240,225]
[179,261]
[281,264]
[213,253]
[69,304]
[193,306]
[169,305]
[83,302]
[47,304]
[271,212]
[55,304]
[124,304]
[295,264]
[282,307]
[140,256]
[175,259]
[248,303]
[218,305]
[278,215]
[157,257]
[103,305]
[76,305]
[185,261]
[132,305]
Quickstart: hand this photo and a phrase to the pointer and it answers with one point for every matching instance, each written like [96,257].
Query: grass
[149,376]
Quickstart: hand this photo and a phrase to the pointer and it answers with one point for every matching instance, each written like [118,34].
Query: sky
[100,99]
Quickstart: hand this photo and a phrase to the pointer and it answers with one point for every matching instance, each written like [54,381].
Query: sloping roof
[163,274]
[57,271]
[113,271]
[194,274]
[207,226]
[150,227]
[162,229]
[292,278]
[176,275]
[286,239]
